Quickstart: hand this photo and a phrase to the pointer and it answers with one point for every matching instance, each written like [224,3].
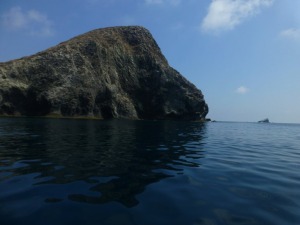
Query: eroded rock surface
[116,72]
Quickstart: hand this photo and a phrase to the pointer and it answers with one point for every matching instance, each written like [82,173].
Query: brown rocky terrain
[116,72]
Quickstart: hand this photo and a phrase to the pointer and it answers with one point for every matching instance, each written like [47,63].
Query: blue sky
[243,54]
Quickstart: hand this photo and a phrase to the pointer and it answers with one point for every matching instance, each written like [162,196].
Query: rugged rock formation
[264,121]
[116,72]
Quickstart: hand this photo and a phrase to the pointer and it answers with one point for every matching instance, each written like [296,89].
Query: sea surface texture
[56,171]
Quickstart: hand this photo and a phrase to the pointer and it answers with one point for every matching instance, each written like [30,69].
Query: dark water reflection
[112,160]
[148,172]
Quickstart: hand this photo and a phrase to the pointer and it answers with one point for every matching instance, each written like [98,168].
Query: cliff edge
[116,72]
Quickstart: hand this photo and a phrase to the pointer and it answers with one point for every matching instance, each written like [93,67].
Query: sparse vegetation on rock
[116,72]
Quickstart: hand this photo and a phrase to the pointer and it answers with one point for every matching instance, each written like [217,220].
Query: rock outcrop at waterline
[116,72]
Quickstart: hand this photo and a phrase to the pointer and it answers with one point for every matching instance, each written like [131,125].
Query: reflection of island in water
[116,159]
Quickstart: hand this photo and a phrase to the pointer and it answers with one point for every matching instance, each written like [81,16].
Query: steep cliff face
[116,72]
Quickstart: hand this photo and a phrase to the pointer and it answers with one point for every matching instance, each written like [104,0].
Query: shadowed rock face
[116,72]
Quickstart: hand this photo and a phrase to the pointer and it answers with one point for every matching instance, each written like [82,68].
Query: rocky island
[116,72]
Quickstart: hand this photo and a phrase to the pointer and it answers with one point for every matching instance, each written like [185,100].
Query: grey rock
[264,121]
[116,72]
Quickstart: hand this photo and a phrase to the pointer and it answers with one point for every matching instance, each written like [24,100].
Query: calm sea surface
[55,171]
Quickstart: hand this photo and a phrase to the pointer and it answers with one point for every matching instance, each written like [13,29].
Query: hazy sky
[243,54]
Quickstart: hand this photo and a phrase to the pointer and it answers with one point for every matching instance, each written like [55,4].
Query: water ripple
[148,172]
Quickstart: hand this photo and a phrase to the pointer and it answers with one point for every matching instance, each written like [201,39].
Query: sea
[122,172]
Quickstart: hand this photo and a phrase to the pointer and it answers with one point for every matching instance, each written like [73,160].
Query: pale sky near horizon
[243,54]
